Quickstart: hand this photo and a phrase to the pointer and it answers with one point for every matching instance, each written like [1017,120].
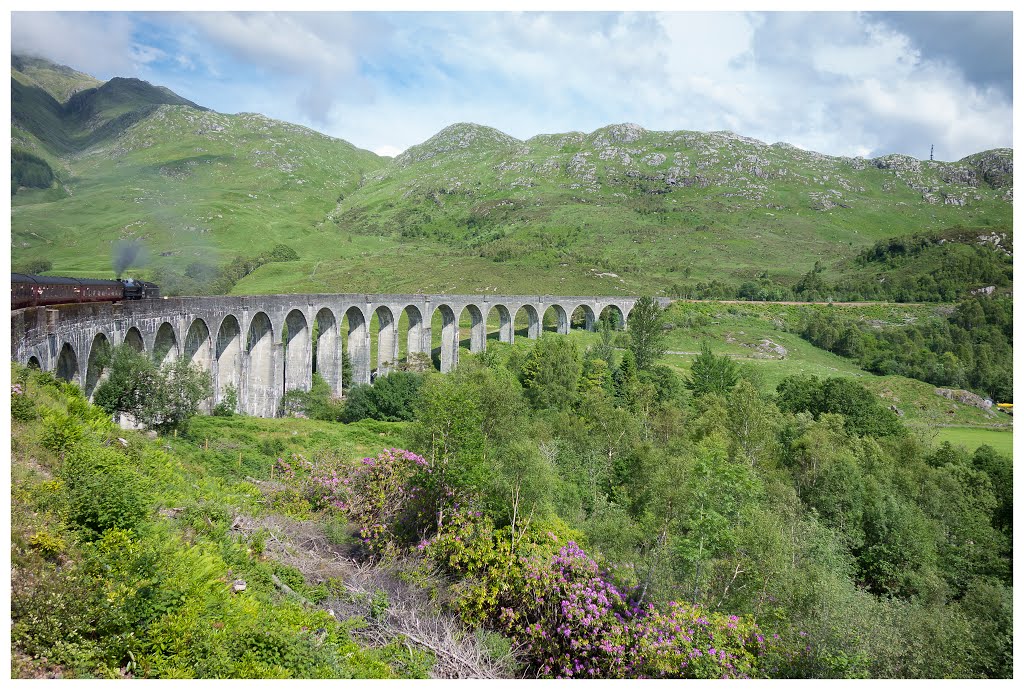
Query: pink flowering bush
[573,620]
[682,640]
[382,495]
[23,408]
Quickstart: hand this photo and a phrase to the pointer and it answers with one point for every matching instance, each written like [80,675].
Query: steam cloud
[127,253]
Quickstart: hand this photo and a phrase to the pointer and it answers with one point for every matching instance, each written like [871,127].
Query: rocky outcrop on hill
[455,138]
[964,398]
[625,160]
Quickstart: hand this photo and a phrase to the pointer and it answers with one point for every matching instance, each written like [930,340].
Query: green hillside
[675,207]
[618,210]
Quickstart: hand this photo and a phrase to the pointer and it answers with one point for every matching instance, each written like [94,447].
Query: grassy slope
[556,210]
[191,185]
[737,329]
[971,438]
[184,471]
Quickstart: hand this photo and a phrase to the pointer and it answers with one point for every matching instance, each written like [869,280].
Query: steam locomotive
[38,291]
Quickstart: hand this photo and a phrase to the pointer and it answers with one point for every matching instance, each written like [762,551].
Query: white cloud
[388,150]
[95,44]
[840,83]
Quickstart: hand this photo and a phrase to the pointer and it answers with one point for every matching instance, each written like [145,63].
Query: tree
[864,412]
[624,379]
[131,375]
[551,373]
[391,398]
[646,337]
[752,424]
[605,350]
[162,398]
[712,373]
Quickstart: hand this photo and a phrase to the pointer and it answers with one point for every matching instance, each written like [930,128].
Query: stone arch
[67,364]
[327,349]
[96,365]
[133,339]
[533,322]
[387,340]
[585,315]
[477,328]
[414,338]
[298,352]
[358,345]
[259,379]
[506,328]
[165,344]
[625,315]
[561,318]
[228,354]
[449,355]
[33,362]
[618,319]
[199,344]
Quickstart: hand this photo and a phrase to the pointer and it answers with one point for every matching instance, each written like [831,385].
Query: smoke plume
[127,253]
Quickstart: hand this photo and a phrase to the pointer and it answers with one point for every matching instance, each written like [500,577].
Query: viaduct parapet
[264,345]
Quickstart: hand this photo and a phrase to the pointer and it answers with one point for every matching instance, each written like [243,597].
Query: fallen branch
[288,590]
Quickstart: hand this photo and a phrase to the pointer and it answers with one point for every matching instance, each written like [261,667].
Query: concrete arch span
[477,328]
[613,313]
[199,345]
[449,351]
[133,339]
[506,327]
[165,344]
[298,352]
[228,355]
[96,369]
[414,344]
[358,345]
[67,363]
[327,349]
[533,322]
[558,317]
[260,371]
[583,315]
[198,350]
[387,340]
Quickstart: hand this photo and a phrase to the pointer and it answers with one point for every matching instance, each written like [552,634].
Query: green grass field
[972,437]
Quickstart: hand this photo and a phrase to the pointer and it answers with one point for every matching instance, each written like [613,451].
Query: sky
[840,83]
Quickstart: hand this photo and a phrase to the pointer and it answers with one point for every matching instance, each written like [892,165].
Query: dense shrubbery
[391,398]
[29,171]
[862,412]
[573,619]
[813,512]
[103,588]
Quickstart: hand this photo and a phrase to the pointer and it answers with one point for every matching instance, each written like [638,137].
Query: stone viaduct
[263,345]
